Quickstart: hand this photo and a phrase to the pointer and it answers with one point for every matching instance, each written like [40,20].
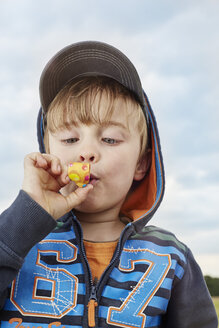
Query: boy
[85,257]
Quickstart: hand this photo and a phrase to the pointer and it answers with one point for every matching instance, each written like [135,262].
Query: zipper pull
[91,307]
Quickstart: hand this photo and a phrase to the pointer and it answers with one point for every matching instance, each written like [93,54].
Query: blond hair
[74,104]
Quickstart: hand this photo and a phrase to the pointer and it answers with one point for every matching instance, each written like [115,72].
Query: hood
[147,195]
[144,200]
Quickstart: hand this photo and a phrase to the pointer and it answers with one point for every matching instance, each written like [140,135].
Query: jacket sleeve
[191,305]
[22,225]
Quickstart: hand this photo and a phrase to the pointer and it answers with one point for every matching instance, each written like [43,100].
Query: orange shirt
[99,256]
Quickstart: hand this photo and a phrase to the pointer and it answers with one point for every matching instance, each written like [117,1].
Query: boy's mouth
[93,179]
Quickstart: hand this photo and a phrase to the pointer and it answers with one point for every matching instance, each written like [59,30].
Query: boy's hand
[44,176]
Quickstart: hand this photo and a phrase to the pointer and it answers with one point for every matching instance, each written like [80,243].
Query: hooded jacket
[151,281]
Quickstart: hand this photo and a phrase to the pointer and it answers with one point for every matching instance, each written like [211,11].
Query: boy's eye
[70,140]
[110,141]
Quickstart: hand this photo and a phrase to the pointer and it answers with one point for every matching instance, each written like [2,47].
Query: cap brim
[89,58]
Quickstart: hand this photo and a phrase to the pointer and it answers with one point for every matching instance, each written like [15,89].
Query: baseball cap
[88,58]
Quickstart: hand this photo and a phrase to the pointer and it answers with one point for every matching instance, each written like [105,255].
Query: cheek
[126,159]
[55,148]
[64,155]
[121,170]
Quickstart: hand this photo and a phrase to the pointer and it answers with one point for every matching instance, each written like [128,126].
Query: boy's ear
[143,166]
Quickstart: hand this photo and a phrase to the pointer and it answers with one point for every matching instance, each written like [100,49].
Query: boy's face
[111,149]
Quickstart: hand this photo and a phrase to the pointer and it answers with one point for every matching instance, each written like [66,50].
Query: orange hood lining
[142,198]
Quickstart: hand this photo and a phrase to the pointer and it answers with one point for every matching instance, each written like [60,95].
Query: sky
[175,48]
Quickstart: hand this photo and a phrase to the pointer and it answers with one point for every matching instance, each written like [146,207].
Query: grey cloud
[175,47]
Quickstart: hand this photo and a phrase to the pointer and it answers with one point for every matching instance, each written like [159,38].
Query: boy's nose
[88,157]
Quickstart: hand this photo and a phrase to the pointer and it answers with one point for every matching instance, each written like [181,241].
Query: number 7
[130,313]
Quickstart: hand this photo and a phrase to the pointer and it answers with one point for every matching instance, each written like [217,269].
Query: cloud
[175,48]
[209,263]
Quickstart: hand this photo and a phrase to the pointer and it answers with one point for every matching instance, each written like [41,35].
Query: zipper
[92,304]
[95,286]
[92,301]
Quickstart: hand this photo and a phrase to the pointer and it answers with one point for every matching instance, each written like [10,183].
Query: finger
[48,162]
[78,196]
[35,159]
[54,164]
[60,173]
[64,178]
[41,162]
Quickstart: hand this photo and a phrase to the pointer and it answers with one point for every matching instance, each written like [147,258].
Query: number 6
[59,285]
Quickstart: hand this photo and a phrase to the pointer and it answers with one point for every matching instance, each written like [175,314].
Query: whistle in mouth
[79,173]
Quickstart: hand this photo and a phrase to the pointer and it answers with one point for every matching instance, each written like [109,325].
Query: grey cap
[88,58]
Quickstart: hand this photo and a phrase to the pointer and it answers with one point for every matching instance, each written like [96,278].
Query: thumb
[78,196]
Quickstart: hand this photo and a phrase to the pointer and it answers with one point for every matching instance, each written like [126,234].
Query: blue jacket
[152,280]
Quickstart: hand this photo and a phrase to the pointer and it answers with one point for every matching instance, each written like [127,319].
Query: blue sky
[175,48]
